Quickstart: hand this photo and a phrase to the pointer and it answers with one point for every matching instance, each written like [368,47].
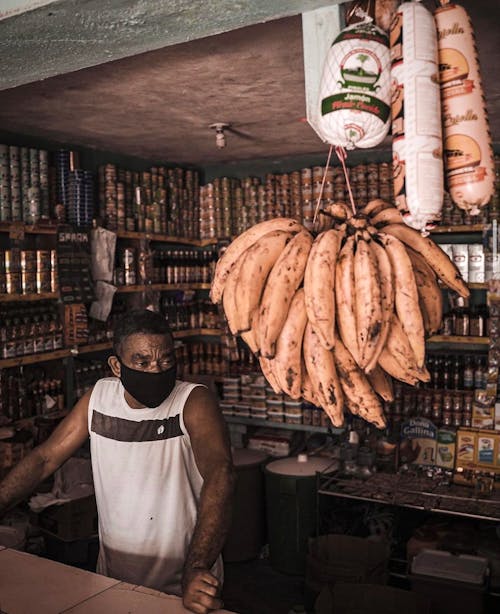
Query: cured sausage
[355,88]
[468,153]
[416,116]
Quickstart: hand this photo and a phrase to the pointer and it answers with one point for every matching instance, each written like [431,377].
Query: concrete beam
[69,35]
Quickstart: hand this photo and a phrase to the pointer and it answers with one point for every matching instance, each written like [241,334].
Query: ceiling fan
[221,128]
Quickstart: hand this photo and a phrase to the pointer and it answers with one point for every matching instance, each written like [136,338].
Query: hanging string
[342,155]
[320,196]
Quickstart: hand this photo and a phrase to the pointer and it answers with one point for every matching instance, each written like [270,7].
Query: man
[161,463]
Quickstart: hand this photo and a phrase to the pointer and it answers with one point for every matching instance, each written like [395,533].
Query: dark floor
[254,587]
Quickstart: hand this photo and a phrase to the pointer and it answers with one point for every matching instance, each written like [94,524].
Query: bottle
[447,383]
[456,376]
[478,374]
[436,373]
[468,374]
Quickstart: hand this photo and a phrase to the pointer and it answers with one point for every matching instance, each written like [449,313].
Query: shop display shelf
[162,287]
[92,347]
[15,229]
[161,238]
[413,491]
[457,342]
[195,332]
[281,425]
[461,229]
[32,359]
[16,298]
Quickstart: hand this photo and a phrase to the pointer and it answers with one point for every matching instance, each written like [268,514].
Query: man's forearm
[214,517]
[22,480]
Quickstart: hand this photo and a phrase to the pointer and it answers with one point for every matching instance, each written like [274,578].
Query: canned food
[44,259]
[44,281]
[13,283]
[28,282]
[12,260]
[129,277]
[28,260]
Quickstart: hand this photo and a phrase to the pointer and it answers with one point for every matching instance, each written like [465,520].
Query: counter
[30,583]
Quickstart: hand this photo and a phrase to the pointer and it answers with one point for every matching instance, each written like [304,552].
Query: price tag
[16,231]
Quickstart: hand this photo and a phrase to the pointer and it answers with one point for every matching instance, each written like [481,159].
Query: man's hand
[200,591]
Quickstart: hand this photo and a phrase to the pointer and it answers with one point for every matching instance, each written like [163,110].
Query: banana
[381,383]
[229,296]
[307,388]
[375,206]
[282,283]
[360,397]
[368,302]
[240,245]
[398,345]
[267,370]
[287,361]
[406,296]
[339,211]
[258,260]
[433,254]
[391,366]
[320,366]
[386,299]
[429,292]
[249,336]
[387,216]
[319,285]
[345,306]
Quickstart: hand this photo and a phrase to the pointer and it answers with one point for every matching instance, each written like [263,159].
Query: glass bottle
[468,374]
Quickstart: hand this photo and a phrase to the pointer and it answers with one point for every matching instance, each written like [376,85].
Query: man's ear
[114,365]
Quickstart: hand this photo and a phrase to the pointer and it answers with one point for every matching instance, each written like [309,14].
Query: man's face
[144,352]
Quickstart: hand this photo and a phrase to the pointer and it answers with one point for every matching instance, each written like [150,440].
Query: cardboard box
[478,449]
[418,442]
[70,521]
[446,448]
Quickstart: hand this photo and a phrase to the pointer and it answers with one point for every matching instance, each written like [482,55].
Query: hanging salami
[355,88]
[468,152]
[416,116]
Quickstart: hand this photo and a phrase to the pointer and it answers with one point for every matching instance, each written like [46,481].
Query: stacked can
[65,161]
[5,209]
[307,197]
[270,208]
[80,209]
[109,197]
[296,196]
[208,224]
[43,178]
[12,267]
[24,162]
[15,183]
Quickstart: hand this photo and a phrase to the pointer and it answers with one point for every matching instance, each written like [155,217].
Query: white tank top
[147,486]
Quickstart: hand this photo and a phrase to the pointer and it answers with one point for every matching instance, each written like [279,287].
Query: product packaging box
[418,442]
[476,263]
[461,259]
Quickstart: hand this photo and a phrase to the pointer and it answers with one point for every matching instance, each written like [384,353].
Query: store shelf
[195,332]
[468,343]
[15,228]
[124,234]
[161,287]
[478,286]
[414,491]
[281,425]
[17,298]
[93,347]
[462,229]
[32,359]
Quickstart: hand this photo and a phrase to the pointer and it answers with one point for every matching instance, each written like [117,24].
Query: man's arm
[43,460]
[210,442]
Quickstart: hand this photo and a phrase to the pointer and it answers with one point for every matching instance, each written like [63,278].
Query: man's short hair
[139,321]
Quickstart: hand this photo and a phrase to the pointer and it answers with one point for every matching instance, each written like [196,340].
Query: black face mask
[150,389]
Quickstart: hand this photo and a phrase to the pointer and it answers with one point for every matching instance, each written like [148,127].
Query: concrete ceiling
[158,105]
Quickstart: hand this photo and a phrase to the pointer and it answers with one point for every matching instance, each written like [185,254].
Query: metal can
[13,283]
[28,260]
[129,277]
[28,282]
[13,260]
[44,281]
[44,259]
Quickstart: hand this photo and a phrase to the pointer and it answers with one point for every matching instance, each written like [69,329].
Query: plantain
[282,283]
[319,285]
[240,245]
[345,306]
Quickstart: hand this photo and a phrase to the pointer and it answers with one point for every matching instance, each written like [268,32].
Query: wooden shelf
[195,332]
[281,425]
[462,229]
[125,234]
[15,298]
[457,342]
[93,347]
[478,285]
[161,287]
[36,229]
[32,359]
